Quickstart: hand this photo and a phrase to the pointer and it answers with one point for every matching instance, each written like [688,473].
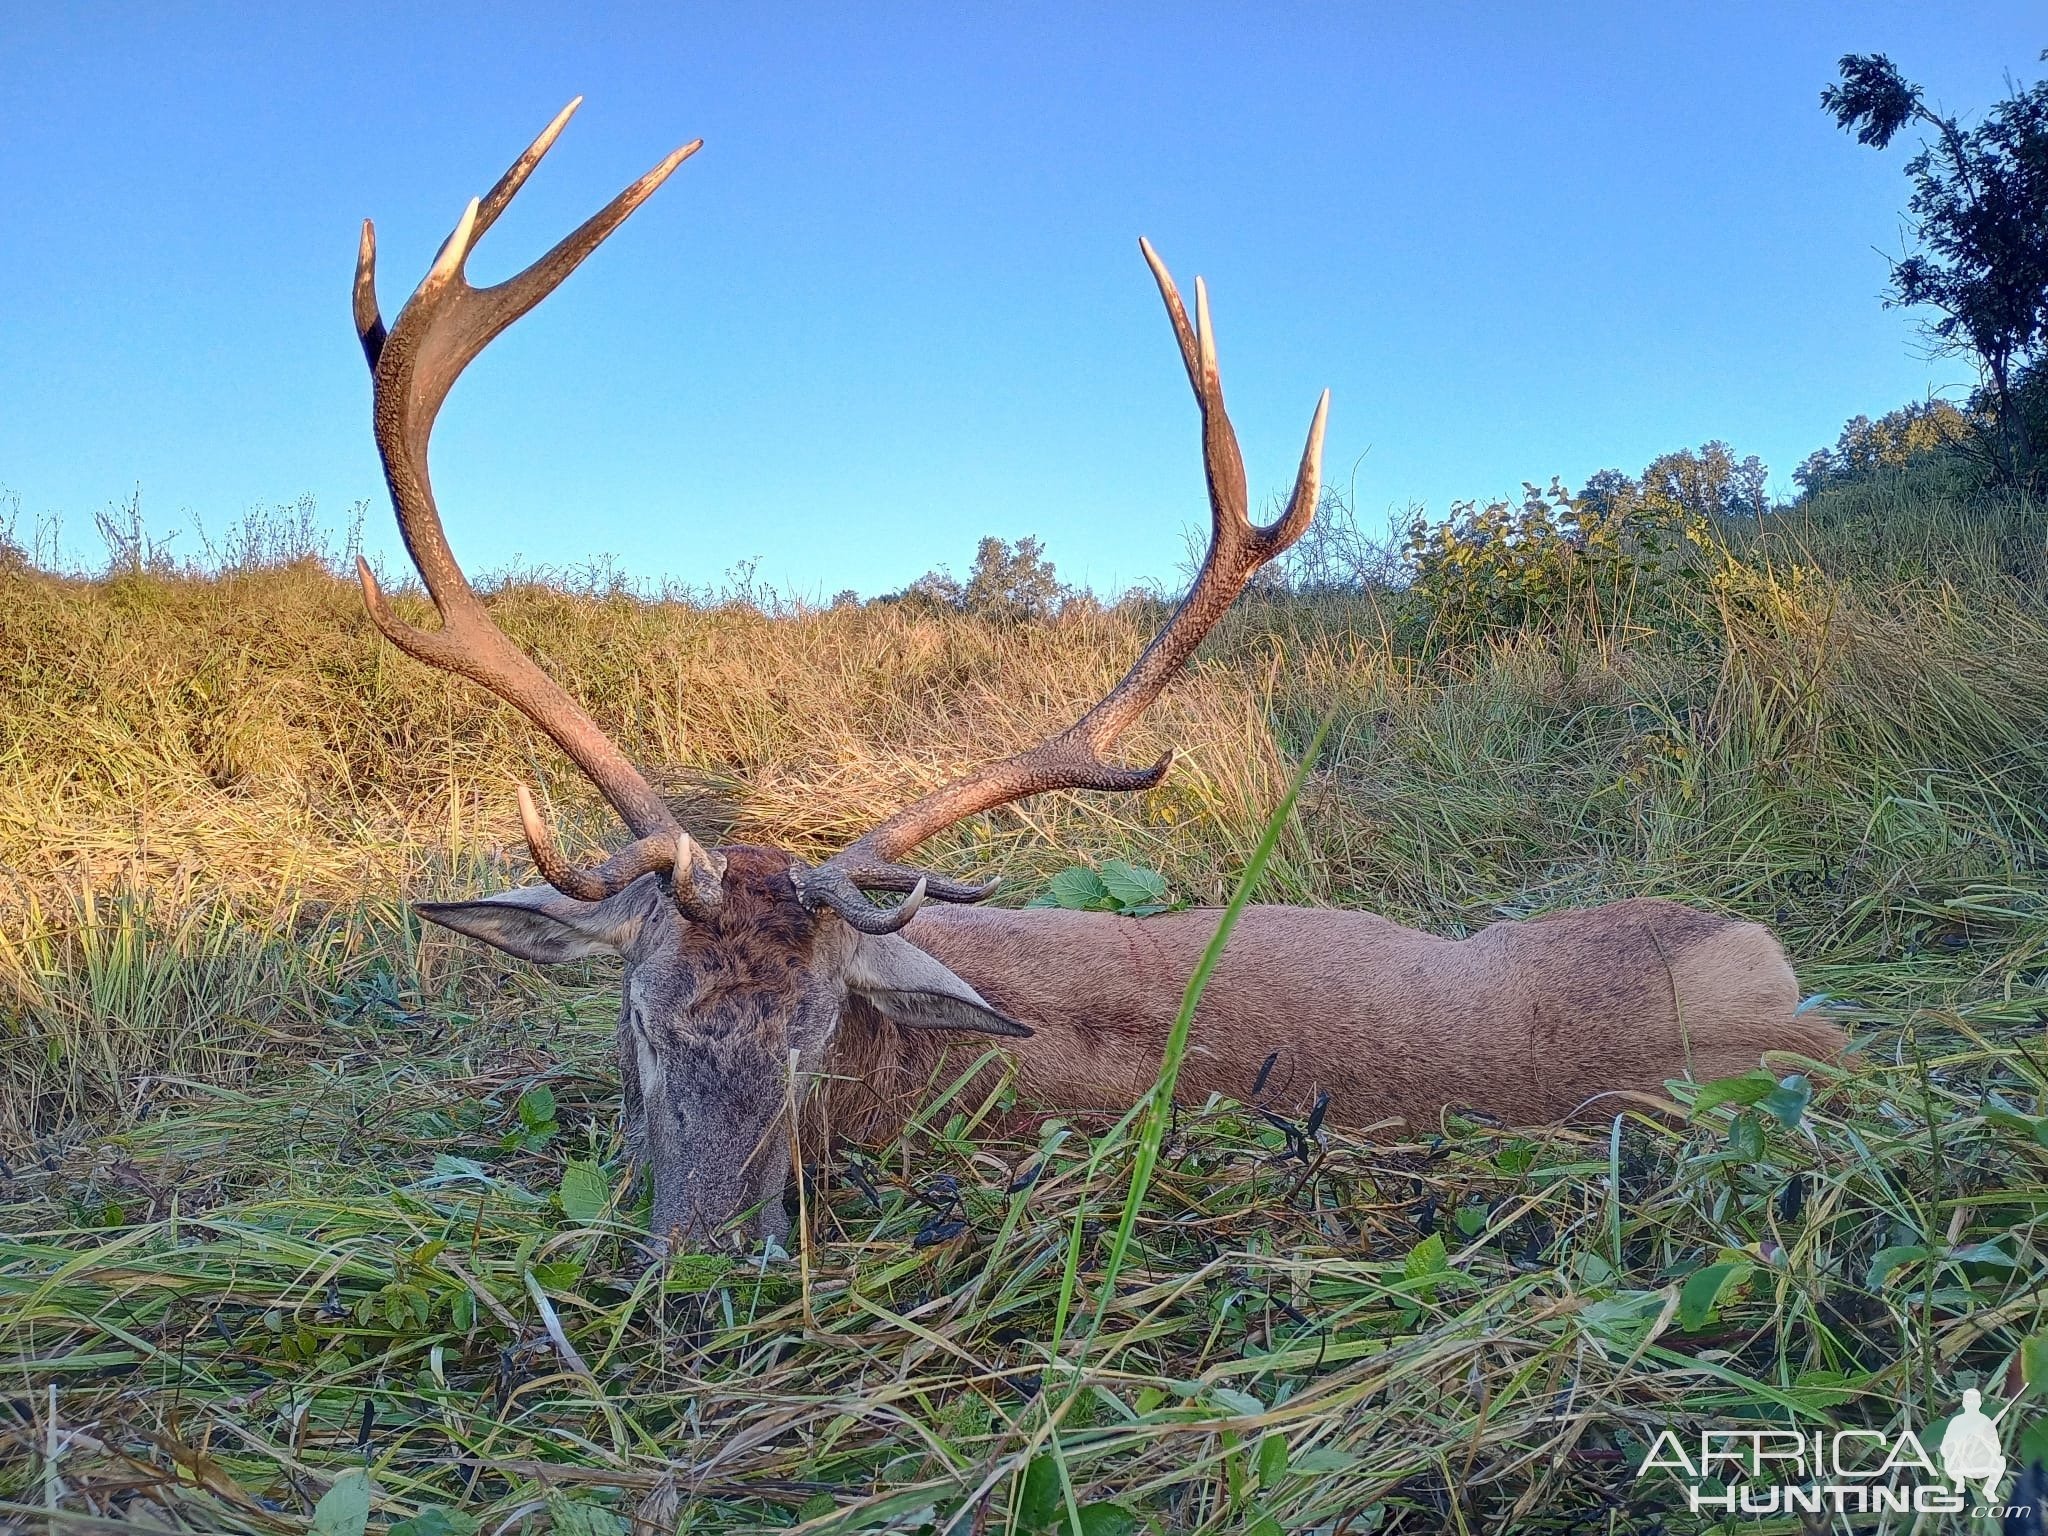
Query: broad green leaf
[2033,1447]
[585,1192]
[1788,1100]
[816,1507]
[2034,1361]
[574,1517]
[1130,886]
[536,1108]
[1426,1258]
[2006,1119]
[1983,1253]
[1078,889]
[1888,1259]
[344,1509]
[1040,1501]
[1746,1135]
[1746,1089]
[1237,1402]
[1105,1519]
[1272,1461]
[1703,1289]
[436,1521]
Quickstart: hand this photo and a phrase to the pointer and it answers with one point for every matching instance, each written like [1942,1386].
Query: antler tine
[1076,757]
[442,328]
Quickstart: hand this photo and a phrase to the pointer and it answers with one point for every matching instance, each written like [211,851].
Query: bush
[1608,557]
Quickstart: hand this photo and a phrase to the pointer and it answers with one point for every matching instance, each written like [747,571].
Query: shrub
[1607,557]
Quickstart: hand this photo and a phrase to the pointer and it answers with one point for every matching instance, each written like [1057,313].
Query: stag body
[751,976]
[1528,1022]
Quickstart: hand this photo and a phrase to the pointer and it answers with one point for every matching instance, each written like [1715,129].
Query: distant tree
[1607,491]
[846,598]
[1010,582]
[1816,472]
[1708,482]
[1893,440]
[1978,219]
[1750,488]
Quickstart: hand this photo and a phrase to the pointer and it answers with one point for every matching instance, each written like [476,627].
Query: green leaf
[1888,1259]
[1130,886]
[1788,1100]
[1040,1501]
[1272,1461]
[1265,1525]
[1078,889]
[2034,1361]
[2033,1450]
[344,1509]
[1746,1089]
[536,1108]
[1703,1289]
[1242,1403]
[1746,1135]
[574,1517]
[1426,1258]
[1105,1519]
[816,1507]
[462,1311]
[2005,1119]
[1322,1458]
[585,1193]
[436,1521]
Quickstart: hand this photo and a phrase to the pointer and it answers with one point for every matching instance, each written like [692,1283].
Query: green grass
[284,1198]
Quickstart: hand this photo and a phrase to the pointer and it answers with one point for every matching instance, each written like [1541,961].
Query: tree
[1978,220]
[1890,442]
[1012,581]
[1607,491]
[1009,582]
[1708,482]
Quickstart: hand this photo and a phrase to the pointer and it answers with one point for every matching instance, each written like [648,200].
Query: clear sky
[896,302]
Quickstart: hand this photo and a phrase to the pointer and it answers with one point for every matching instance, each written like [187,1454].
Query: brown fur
[1528,1022]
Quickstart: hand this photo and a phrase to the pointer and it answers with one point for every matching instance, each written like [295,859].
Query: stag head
[739,961]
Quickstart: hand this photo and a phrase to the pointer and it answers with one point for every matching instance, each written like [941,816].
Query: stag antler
[442,328]
[1075,758]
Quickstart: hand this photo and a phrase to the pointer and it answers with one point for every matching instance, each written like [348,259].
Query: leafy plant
[1111,886]
[1501,567]
[535,1113]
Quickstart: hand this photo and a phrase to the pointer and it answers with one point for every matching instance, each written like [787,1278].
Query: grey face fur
[724,1024]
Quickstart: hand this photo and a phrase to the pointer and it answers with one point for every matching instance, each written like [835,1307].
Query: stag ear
[908,987]
[537,922]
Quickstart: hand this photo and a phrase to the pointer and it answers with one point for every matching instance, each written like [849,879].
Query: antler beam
[1077,758]
[440,331]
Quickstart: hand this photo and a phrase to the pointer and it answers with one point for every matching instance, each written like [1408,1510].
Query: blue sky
[896,302]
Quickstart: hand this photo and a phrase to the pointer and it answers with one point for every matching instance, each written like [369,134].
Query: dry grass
[265,1224]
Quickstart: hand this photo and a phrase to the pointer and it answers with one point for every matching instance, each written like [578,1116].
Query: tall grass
[282,1195]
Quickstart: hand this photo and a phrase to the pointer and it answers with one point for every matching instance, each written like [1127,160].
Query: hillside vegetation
[292,1190]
